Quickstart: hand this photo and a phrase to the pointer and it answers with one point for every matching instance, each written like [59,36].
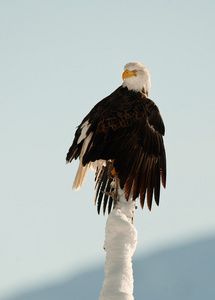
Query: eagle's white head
[136,77]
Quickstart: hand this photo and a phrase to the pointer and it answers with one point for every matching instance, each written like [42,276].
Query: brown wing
[127,129]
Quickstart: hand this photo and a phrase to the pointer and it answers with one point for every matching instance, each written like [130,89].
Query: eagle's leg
[120,200]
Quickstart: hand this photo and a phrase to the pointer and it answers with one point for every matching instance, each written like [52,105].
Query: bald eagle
[122,137]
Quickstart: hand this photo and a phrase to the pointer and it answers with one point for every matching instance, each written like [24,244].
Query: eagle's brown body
[126,130]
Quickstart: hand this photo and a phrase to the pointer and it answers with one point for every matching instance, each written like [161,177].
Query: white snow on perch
[120,244]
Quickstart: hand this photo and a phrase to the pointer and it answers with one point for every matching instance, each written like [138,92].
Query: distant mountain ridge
[183,273]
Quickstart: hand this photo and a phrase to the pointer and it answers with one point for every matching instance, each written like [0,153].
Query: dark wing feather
[127,129]
[103,187]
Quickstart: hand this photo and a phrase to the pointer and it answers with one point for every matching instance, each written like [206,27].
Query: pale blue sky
[58,58]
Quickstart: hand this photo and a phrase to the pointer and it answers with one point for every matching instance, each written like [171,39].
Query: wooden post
[120,244]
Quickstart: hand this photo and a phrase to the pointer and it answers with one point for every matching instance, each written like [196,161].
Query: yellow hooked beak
[128,73]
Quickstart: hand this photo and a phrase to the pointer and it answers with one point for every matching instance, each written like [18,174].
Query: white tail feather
[82,170]
[80,176]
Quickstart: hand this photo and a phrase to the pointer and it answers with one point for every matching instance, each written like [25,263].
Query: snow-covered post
[120,244]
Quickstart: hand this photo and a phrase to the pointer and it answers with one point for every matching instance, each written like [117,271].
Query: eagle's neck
[140,84]
[144,94]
